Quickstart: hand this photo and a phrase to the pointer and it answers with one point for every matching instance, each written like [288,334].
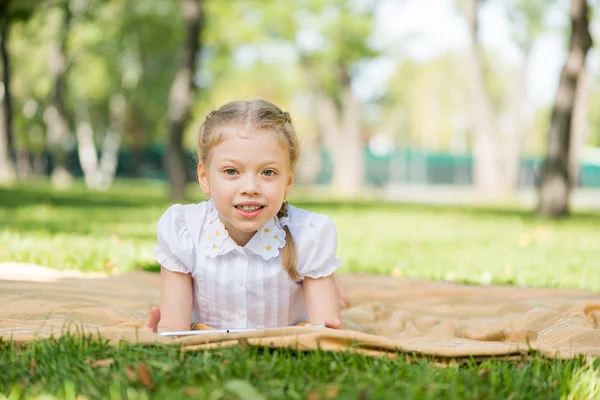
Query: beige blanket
[386,314]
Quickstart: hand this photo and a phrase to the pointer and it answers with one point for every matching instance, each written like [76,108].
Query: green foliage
[337,39]
[425,103]
[527,19]
[250,49]
[72,366]
[15,10]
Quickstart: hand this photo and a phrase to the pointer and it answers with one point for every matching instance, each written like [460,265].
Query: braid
[287,117]
[289,254]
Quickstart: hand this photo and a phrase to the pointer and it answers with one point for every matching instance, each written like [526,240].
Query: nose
[250,185]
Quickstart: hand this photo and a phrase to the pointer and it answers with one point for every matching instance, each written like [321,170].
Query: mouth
[249,210]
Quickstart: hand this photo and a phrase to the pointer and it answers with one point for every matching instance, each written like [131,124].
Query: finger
[153,320]
[333,323]
[199,326]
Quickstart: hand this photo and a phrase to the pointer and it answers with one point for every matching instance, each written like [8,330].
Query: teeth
[249,208]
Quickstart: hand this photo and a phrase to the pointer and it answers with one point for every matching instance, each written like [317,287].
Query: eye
[230,171]
[269,172]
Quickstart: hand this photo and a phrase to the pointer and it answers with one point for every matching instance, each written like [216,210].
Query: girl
[245,258]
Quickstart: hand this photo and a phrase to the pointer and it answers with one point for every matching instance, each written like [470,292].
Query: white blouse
[244,287]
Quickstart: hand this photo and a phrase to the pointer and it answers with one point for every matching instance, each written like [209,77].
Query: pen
[207,332]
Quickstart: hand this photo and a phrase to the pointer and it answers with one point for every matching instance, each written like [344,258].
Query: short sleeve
[317,247]
[175,249]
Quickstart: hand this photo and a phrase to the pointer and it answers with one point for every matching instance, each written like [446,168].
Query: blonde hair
[256,114]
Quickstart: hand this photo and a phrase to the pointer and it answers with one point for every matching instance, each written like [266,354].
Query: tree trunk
[7,152]
[349,170]
[181,97]
[310,163]
[515,134]
[340,130]
[24,164]
[56,118]
[555,186]
[579,126]
[486,167]
[99,173]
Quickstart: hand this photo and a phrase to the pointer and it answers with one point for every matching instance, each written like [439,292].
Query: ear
[289,183]
[203,179]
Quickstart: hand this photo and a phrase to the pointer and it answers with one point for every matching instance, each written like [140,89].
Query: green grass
[68,366]
[91,231]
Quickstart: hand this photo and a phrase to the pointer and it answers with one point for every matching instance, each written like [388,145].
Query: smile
[248,208]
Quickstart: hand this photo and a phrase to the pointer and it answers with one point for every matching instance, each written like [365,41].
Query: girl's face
[248,177]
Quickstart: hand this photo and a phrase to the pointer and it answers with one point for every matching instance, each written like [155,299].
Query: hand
[333,323]
[153,320]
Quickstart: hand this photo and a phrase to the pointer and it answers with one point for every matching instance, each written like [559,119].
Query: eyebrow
[234,161]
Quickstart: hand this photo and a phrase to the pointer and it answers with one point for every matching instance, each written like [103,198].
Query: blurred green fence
[411,166]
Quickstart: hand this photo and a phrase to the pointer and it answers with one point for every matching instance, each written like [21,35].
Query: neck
[240,238]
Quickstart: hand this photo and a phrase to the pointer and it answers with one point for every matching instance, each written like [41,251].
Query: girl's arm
[322,302]
[176,300]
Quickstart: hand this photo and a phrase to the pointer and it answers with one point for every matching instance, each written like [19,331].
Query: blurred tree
[555,186]
[527,22]
[100,109]
[120,79]
[56,113]
[333,40]
[7,154]
[11,11]
[487,176]
[426,103]
[145,68]
[181,97]
[579,125]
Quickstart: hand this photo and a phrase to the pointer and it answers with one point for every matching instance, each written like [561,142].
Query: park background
[445,138]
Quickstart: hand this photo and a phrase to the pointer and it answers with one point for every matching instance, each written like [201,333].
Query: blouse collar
[266,242]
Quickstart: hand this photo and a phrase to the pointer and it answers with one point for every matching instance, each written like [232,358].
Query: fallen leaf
[191,391]
[328,392]
[145,377]
[331,391]
[313,396]
[130,373]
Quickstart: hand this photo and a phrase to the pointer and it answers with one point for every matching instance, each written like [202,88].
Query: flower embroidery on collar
[215,236]
[266,243]
[272,238]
